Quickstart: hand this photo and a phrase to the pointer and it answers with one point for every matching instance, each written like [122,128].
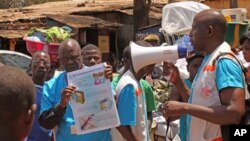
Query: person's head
[126,58]
[245,45]
[153,39]
[70,55]
[194,61]
[128,61]
[208,31]
[92,55]
[40,65]
[17,108]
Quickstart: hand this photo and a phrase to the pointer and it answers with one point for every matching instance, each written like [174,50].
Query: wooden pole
[141,14]
[233,3]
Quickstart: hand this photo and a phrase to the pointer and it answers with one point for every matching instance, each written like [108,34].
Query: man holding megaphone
[217,93]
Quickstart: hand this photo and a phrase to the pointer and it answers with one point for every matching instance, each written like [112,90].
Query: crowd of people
[37,108]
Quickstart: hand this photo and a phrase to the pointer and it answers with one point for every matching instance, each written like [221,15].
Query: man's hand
[126,132]
[108,72]
[173,108]
[169,69]
[66,94]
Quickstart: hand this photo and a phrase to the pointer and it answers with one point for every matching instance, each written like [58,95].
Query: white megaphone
[143,56]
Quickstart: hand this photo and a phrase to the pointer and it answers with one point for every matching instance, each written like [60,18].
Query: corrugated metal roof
[61,7]
[12,34]
[82,21]
[66,8]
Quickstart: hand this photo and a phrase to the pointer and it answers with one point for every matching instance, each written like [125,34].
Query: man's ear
[31,114]
[210,31]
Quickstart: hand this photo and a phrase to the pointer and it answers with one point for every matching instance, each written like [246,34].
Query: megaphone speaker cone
[143,56]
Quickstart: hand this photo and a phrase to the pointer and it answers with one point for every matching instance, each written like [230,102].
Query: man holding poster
[55,107]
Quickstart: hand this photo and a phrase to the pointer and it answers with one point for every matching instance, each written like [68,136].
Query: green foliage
[52,35]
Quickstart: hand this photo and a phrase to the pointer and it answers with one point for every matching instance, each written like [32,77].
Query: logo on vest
[138,92]
[207,86]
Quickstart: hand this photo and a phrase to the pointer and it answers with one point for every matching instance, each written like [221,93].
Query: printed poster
[93,104]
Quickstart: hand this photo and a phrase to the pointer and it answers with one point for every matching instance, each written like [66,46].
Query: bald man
[217,94]
[55,108]
[40,65]
[17,97]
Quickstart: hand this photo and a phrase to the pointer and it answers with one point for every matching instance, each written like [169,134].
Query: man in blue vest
[40,65]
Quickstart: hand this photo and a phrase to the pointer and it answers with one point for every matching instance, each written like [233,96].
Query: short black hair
[215,19]
[91,47]
[17,94]
[126,52]
[244,37]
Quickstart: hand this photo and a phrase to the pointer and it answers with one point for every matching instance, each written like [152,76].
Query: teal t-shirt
[127,106]
[147,89]
[183,118]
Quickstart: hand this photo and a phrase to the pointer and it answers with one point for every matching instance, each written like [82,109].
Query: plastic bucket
[51,49]
[235,14]
[34,46]
[234,32]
